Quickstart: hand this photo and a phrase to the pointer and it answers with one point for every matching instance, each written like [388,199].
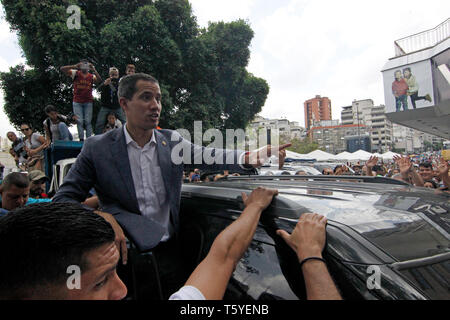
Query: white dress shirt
[148,182]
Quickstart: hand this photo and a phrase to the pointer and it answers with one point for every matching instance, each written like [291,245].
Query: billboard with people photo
[408,87]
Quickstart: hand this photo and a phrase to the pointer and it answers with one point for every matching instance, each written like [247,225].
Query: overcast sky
[304,48]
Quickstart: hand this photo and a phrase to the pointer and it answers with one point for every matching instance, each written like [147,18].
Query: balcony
[422,40]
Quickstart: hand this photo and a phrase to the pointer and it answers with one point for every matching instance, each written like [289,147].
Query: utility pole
[359,134]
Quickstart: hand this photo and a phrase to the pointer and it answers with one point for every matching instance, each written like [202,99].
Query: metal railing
[422,40]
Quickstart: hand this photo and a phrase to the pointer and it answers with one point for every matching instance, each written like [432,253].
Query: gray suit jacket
[103,164]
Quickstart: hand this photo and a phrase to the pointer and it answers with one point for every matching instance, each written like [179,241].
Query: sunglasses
[25,129]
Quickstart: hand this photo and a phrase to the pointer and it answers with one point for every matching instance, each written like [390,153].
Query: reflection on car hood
[405,222]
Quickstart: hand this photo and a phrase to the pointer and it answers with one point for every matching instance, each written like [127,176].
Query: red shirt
[400,88]
[82,87]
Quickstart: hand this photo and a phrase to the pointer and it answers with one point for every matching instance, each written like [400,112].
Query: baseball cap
[36,175]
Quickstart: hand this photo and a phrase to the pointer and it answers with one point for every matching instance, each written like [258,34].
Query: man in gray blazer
[136,178]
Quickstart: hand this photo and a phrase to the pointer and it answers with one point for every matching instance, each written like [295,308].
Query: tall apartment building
[364,112]
[5,144]
[407,139]
[317,109]
[289,129]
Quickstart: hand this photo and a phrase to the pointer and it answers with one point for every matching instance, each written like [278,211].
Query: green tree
[202,71]
[302,146]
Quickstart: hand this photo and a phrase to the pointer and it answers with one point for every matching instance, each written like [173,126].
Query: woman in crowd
[112,123]
[55,125]
[34,146]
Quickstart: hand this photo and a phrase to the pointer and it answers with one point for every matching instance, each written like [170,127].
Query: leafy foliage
[302,146]
[202,71]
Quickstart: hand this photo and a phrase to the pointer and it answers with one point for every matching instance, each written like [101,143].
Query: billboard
[408,87]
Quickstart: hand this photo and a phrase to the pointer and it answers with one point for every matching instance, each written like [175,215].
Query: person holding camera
[110,101]
[83,82]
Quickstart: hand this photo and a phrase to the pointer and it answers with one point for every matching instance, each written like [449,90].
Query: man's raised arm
[212,275]
[68,69]
[308,241]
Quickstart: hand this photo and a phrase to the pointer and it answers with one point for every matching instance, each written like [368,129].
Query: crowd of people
[429,173]
[28,151]
[138,188]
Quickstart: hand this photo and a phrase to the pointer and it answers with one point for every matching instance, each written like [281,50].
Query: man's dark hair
[434,184]
[377,168]
[426,164]
[50,108]
[39,242]
[337,167]
[127,85]
[26,124]
[407,69]
[18,179]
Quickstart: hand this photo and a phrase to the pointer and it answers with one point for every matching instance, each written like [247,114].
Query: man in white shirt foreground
[45,261]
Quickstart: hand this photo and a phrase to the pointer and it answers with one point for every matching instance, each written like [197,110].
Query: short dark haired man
[379,170]
[136,178]
[14,190]
[46,244]
[357,169]
[430,184]
[44,254]
[426,171]
[38,181]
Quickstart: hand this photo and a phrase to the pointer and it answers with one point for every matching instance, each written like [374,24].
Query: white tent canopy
[376,154]
[321,155]
[342,156]
[389,155]
[360,155]
[296,156]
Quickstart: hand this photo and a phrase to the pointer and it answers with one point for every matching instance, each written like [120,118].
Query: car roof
[387,213]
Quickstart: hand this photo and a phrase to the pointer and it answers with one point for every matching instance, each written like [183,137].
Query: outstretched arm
[409,174]
[213,273]
[308,240]
[68,69]
[443,170]
[373,160]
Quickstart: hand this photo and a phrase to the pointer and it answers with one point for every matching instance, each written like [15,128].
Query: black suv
[385,239]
